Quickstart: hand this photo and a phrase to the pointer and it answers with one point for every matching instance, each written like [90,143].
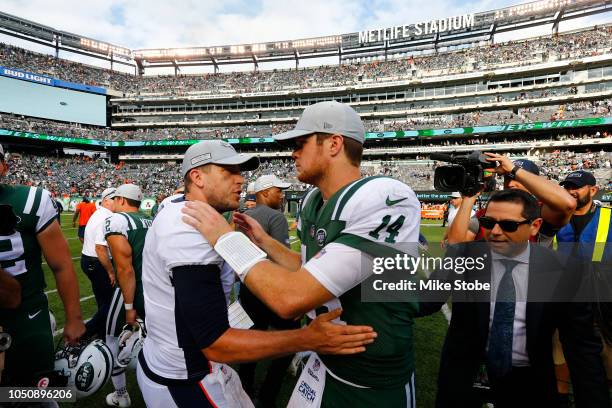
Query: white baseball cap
[269,181]
[131,191]
[109,193]
[327,117]
[455,194]
[216,152]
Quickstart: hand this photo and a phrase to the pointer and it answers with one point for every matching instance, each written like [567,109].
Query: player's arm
[10,291]
[102,254]
[201,305]
[122,254]
[459,230]
[558,205]
[57,254]
[277,251]
[77,211]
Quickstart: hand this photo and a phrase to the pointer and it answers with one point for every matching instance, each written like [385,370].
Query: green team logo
[321,236]
[84,377]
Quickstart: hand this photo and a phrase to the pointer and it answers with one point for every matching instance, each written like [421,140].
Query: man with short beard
[590,228]
[189,340]
[344,222]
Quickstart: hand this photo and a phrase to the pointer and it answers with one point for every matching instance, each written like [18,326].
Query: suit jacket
[464,348]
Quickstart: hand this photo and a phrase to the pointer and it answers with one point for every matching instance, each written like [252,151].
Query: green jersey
[133,226]
[367,216]
[20,254]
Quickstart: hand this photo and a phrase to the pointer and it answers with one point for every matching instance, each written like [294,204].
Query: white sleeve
[116,224]
[47,211]
[99,238]
[385,211]
[339,268]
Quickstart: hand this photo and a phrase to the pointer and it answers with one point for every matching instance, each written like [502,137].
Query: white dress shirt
[520,276]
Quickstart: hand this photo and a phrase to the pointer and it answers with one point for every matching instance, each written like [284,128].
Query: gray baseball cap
[216,152]
[327,117]
[131,191]
[109,193]
[269,181]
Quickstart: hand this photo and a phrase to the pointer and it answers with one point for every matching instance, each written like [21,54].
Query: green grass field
[429,332]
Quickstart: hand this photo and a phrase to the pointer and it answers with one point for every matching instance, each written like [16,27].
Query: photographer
[557,205]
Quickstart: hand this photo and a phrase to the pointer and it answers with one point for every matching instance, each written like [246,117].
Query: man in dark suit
[508,329]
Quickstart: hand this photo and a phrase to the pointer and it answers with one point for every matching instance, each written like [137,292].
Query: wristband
[239,252]
[128,306]
[512,174]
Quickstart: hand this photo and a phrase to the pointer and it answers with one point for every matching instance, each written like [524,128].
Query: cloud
[139,24]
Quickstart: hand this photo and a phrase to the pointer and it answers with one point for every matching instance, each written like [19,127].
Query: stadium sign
[401,134]
[26,76]
[424,28]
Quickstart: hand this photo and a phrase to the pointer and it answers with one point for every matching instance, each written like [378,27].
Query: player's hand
[207,220]
[73,330]
[326,337]
[111,278]
[250,227]
[505,165]
[130,317]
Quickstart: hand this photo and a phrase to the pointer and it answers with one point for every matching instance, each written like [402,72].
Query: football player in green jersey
[343,222]
[29,229]
[125,232]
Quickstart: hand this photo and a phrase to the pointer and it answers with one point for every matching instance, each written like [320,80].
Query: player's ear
[336,144]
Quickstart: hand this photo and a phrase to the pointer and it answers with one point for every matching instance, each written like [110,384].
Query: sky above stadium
[181,23]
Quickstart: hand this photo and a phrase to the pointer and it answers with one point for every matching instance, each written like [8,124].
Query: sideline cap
[579,179]
[268,181]
[327,117]
[109,193]
[528,165]
[131,191]
[216,152]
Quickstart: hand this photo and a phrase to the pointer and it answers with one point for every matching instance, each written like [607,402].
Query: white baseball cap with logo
[327,117]
[109,193]
[269,181]
[131,191]
[216,152]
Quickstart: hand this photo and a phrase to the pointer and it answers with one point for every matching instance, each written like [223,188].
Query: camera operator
[556,204]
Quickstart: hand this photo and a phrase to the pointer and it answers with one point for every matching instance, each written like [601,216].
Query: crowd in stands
[548,48]
[80,175]
[532,114]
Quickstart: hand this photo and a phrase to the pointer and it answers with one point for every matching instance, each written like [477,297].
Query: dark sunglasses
[505,225]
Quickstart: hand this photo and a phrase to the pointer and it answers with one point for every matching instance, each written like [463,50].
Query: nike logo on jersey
[34,315]
[393,202]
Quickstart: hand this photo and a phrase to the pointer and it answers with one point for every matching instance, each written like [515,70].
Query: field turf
[429,332]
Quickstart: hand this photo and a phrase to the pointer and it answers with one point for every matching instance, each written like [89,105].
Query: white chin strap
[239,252]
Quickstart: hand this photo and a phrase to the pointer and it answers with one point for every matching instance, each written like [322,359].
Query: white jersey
[94,232]
[171,243]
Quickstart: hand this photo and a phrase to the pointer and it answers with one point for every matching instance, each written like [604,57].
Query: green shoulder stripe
[129,221]
[37,200]
[350,192]
[372,248]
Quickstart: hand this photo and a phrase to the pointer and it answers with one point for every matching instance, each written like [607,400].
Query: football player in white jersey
[185,290]
[343,222]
